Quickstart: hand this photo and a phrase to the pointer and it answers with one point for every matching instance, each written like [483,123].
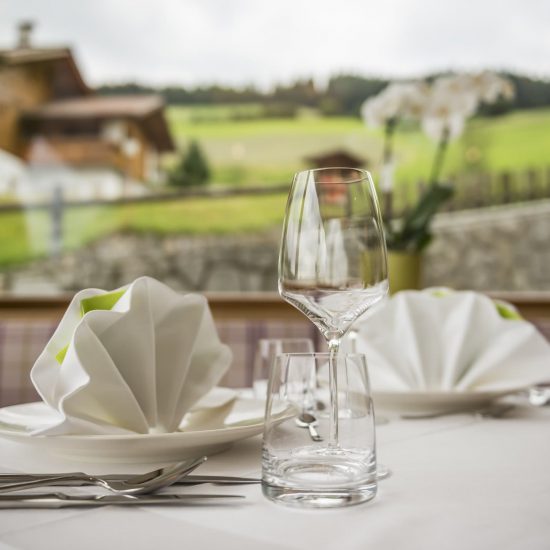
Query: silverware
[134,485]
[383,472]
[187,480]
[494,411]
[307,420]
[217,480]
[539,395]
[62,500]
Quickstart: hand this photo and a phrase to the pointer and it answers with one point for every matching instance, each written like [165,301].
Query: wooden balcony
[76,151]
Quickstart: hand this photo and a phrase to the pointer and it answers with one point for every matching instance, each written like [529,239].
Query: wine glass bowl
[332,262]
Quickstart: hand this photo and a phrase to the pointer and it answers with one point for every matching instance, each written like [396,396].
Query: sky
[264,43]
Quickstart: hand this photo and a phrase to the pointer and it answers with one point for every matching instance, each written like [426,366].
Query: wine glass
[266,351]
[332,261]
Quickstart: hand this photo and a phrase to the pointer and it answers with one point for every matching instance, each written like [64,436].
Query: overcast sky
[261,42]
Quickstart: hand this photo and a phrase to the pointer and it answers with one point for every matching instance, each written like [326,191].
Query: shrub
[192,169]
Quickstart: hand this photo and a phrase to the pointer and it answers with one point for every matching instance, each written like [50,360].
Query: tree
[192,169]
[348,92]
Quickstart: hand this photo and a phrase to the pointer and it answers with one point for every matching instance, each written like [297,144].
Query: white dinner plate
[436,401]
[246,419]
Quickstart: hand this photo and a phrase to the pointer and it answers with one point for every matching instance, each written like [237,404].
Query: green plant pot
[404,270]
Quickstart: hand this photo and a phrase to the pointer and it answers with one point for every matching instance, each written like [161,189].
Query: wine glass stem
[333,346]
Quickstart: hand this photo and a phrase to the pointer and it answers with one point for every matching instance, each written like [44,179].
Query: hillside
[267,151]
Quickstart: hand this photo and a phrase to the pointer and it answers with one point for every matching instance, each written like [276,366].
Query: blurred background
[160,138]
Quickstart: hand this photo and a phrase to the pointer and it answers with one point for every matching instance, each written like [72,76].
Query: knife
[217,480]
[187,480]
[62,500]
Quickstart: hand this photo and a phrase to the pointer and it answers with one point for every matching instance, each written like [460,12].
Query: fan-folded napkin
[130,361]
[435,340]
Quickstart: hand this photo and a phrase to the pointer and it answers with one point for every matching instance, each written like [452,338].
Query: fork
[186,480]
[134,485]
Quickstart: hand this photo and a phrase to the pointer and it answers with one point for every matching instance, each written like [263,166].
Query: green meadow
[244,149]
[268,151]
[25,235]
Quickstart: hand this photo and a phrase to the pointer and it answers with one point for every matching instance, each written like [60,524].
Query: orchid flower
[398,100]
[442,108]
[453,99]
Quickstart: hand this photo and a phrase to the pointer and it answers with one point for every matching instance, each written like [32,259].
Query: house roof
[337,157]
[146,110]
[59,56]
[19,56]
[74,100]
[135,106]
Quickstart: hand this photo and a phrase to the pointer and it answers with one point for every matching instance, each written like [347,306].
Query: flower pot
[404,270]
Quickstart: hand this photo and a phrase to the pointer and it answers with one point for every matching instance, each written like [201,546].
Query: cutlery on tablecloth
[187,480]
[493,411]
[62,500]
[217,480]
[308,420]
[137,484]
[539,395]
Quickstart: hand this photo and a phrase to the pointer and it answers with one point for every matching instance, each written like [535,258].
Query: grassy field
[25,235]
[268,151]
[254,151]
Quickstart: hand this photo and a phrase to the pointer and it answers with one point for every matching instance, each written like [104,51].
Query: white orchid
[455,94]
[443,125]
[455,98]
[443,108]
[375,112]
[451,100]
[398,100]
[401,99]
[491,86]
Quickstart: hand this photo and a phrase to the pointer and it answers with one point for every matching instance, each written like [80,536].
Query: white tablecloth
[459,482]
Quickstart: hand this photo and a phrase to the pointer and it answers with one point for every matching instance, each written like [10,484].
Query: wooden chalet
[43,97]
[335,158]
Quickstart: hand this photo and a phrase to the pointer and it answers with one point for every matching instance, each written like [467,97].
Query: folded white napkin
[133,360]
[441,340]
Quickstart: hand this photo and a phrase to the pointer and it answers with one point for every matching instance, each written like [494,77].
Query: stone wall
[500,248]
[230,263]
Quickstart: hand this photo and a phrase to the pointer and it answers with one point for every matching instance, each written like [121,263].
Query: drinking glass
[332,261]
[299,467]
[266,351]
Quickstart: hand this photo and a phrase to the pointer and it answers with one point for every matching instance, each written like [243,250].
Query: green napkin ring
[101,301]
[506,313]
[502,308]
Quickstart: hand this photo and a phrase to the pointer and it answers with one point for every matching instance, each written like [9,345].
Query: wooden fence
[475,190]
[472,190]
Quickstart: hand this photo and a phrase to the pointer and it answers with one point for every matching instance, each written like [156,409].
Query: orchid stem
[439,157]
[388,140]
[387,160]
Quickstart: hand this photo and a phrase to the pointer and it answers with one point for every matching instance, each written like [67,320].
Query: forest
[342,95]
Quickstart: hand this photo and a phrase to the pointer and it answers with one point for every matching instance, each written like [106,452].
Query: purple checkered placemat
[21,341]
